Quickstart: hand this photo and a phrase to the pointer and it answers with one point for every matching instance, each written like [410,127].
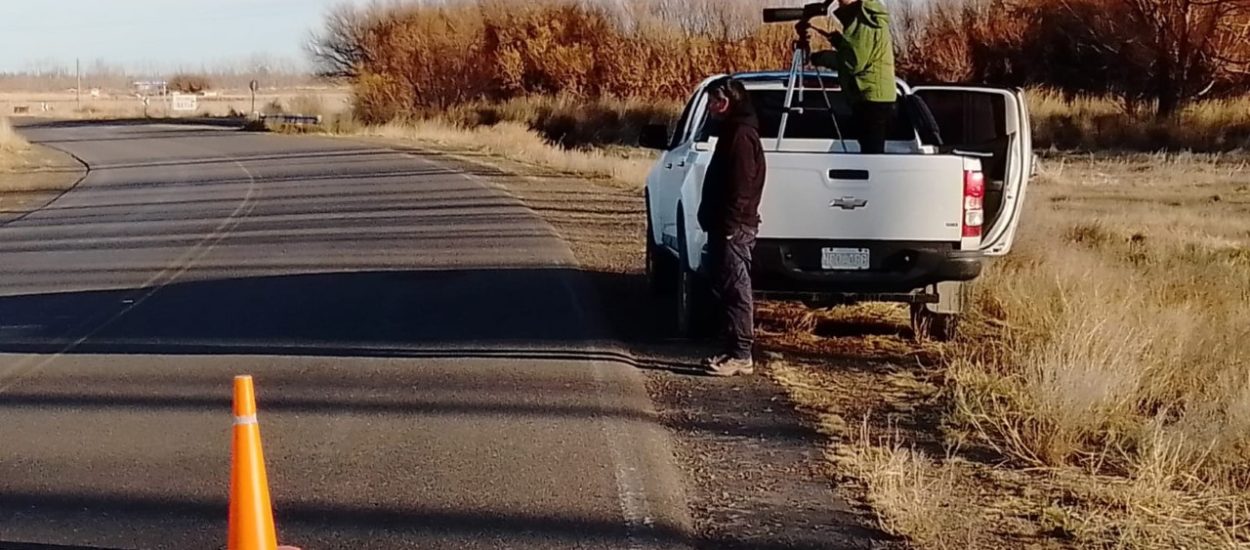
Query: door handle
[668,166]
[681,164]
[854,175]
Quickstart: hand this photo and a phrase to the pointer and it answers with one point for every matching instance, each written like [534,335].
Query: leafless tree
[1176,50]
[338,49]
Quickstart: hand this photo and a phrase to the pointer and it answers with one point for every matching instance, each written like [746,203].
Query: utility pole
[78,87]
[253,86]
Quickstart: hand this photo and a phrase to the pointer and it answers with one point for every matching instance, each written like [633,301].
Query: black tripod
[800,62]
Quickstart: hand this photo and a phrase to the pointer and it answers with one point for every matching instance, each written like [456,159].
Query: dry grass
[10,141]
[1104,124]
[570,122]
[12,145]
[1120,322]
[517,142]
[912,495]
[30,173]
[1114,340]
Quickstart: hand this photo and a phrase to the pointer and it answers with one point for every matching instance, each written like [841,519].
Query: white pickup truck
[913,225]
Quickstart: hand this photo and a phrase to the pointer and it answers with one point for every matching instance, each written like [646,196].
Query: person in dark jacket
[729,213]
[863,56]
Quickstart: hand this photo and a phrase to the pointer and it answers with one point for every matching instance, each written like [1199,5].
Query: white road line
[630,489]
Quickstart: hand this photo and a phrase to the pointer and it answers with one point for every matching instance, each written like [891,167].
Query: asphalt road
[432,371]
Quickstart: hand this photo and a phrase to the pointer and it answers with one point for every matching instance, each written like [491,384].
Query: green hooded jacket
[865,52]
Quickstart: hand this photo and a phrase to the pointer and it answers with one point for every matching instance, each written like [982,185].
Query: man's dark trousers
[731,279]
[874,119]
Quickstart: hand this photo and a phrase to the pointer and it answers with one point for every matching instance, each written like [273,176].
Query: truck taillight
[974,203]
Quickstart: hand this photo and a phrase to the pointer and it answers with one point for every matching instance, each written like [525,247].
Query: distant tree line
[53,75]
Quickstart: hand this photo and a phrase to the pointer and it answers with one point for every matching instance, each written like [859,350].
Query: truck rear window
[815,122]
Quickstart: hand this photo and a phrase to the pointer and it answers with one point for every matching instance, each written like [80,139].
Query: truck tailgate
[863,197]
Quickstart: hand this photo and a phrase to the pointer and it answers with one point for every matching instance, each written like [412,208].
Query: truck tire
[693,297]
[660,264]
[926,325]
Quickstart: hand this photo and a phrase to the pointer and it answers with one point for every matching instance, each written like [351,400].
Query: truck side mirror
[654,136]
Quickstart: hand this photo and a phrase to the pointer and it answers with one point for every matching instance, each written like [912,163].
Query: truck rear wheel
[926,325]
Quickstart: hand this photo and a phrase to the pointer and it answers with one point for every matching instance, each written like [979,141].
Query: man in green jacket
[863,56]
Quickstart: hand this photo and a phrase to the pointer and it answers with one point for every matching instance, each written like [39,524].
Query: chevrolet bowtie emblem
[849,203]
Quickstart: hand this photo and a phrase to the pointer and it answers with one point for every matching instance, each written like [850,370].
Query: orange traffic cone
[251,515]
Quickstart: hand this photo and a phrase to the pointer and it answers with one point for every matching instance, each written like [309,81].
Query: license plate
[845,259]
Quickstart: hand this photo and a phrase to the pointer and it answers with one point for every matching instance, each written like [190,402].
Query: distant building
[150,87]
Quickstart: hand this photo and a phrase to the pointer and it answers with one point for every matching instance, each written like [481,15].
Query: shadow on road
[9,545]
[349,313]
[412,523]
[42,123]
[535,314]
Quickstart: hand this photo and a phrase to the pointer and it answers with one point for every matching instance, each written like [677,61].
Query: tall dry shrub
[10,141]
[553,48]
[407,60]
[961,41]
[189,83]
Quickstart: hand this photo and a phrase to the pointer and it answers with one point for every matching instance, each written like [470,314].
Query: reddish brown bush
[409,59]
[189,84]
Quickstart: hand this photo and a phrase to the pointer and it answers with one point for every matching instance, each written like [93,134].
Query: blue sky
[154,33]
